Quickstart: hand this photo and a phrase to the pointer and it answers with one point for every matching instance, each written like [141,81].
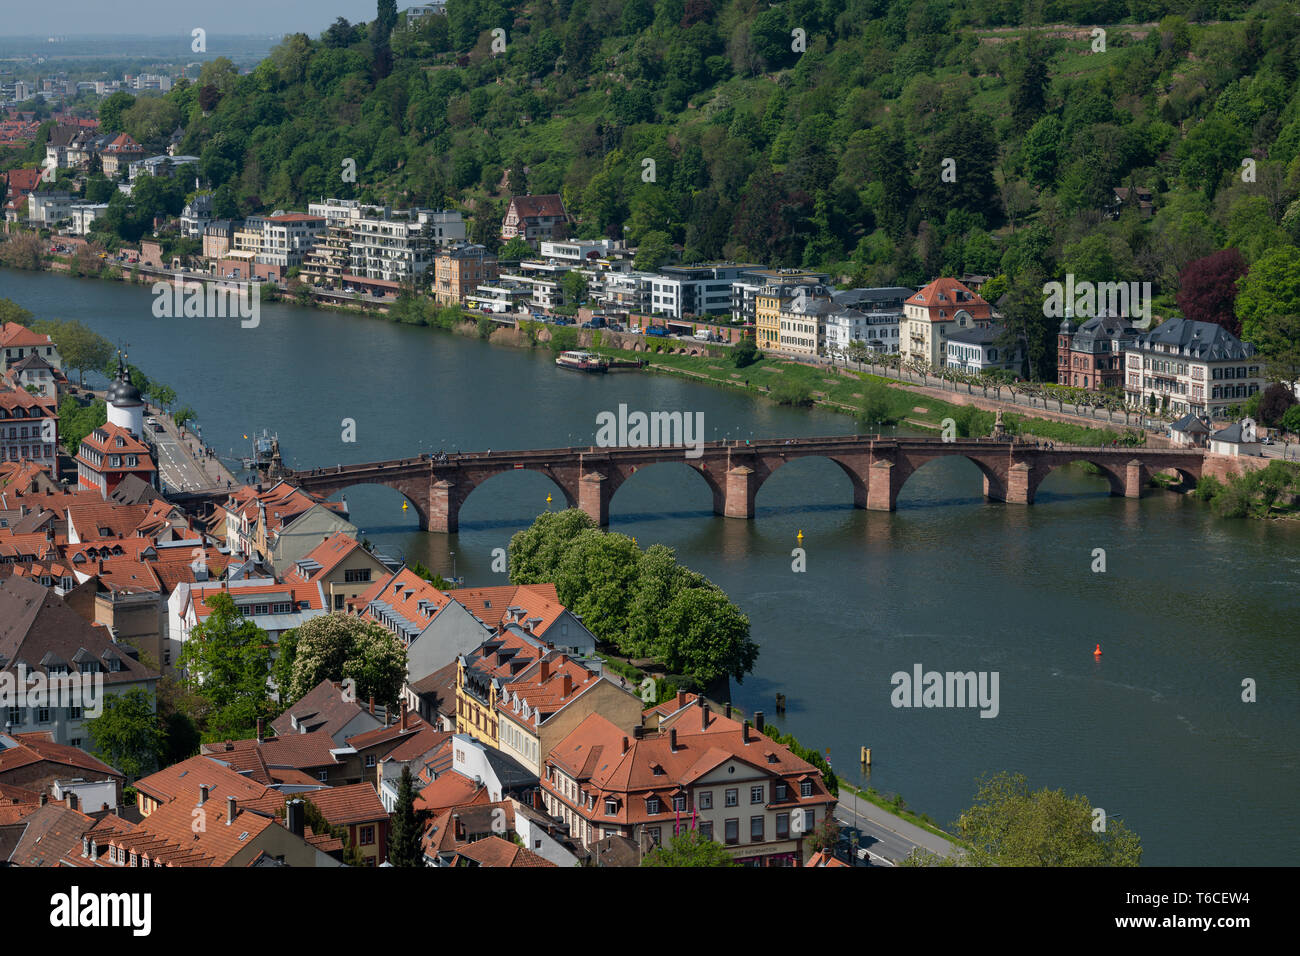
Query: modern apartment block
[382,244]
[1184,366]
[679,291]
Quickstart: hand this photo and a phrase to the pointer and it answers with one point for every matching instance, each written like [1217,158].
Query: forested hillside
[801,133]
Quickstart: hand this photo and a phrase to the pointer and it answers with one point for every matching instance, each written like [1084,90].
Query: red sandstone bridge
[877,468]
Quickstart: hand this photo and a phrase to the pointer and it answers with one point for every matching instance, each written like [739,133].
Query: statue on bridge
[999,430]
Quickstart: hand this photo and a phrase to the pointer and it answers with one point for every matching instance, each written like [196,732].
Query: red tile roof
[494,851]
[354,803]
[34,748]
[529,207]
[948,295]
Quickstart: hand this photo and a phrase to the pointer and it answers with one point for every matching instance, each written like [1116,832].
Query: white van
[704,335]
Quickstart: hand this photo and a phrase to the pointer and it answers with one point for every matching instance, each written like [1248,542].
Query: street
[886,838]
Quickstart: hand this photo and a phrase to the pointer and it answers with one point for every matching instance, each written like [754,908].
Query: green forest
[884,142]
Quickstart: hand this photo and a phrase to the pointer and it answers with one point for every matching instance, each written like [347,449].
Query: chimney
[403,727]
[70,800]
[672,740]
[625,745]
[546,670]
[203,794]
[704,717]
[758,721]
[728,711]
[744,734]
[230,810]
[372,705]
[259,730]
[681,699]
[294,817]
[566,687]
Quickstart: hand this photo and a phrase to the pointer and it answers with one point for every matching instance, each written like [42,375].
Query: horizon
[168,17]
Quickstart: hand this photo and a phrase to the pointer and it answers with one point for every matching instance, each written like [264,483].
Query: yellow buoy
[800,534]
[404,506]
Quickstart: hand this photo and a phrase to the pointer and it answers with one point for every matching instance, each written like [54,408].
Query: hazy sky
[157,17]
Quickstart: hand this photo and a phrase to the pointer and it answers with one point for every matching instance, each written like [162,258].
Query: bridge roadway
[877,467]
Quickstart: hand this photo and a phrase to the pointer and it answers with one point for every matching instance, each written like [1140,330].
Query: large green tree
[404,835]
[689,848]
[1010,825]
[127,734]
[226,662]
[1268,305]
[79,347]
[339,647]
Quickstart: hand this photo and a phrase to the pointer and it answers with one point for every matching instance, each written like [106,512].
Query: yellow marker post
[800,535]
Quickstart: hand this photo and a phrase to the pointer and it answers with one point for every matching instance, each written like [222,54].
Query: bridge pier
[1134,479]
[444,510]
[1020,487]
[881,495]
[594,493]
[741,489]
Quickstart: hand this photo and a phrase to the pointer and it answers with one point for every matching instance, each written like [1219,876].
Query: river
[1155,732]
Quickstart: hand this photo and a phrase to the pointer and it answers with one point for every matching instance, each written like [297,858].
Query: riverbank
[836,388]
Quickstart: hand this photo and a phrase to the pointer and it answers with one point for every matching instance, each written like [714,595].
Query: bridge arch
[995,479]
[709,472]
[461,493]
[1116,475]
[417,503]
[852,470]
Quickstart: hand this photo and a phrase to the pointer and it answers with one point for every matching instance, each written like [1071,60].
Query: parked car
[657,330]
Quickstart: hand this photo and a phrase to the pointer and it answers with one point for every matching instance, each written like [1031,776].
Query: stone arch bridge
[877,467]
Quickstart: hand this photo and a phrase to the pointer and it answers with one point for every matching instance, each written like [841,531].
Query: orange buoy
[1097,652]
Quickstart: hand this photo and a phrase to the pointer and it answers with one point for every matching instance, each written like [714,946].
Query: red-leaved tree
[1207,287]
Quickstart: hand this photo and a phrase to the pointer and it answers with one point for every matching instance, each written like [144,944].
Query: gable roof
[530,207]
[353,803]
[494,851]
[323,709]
[22,750]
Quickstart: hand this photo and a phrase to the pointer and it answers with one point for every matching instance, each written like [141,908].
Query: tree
[226,662]
[1011,826]
[338,647]
[1029,81]
[824,836]
[1207,289]
[1268,305]
[876,405]
[703,634]
[535,552]
[745,353]
[404,836]
[1276,400]
[79,347]
[184,416]
[11,311]
[574,285]
[22,251]
[689,848]
[127,734]
[385,21]
[516,248]
[111,110]
[1291,420]
[164,395]
[654,249]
